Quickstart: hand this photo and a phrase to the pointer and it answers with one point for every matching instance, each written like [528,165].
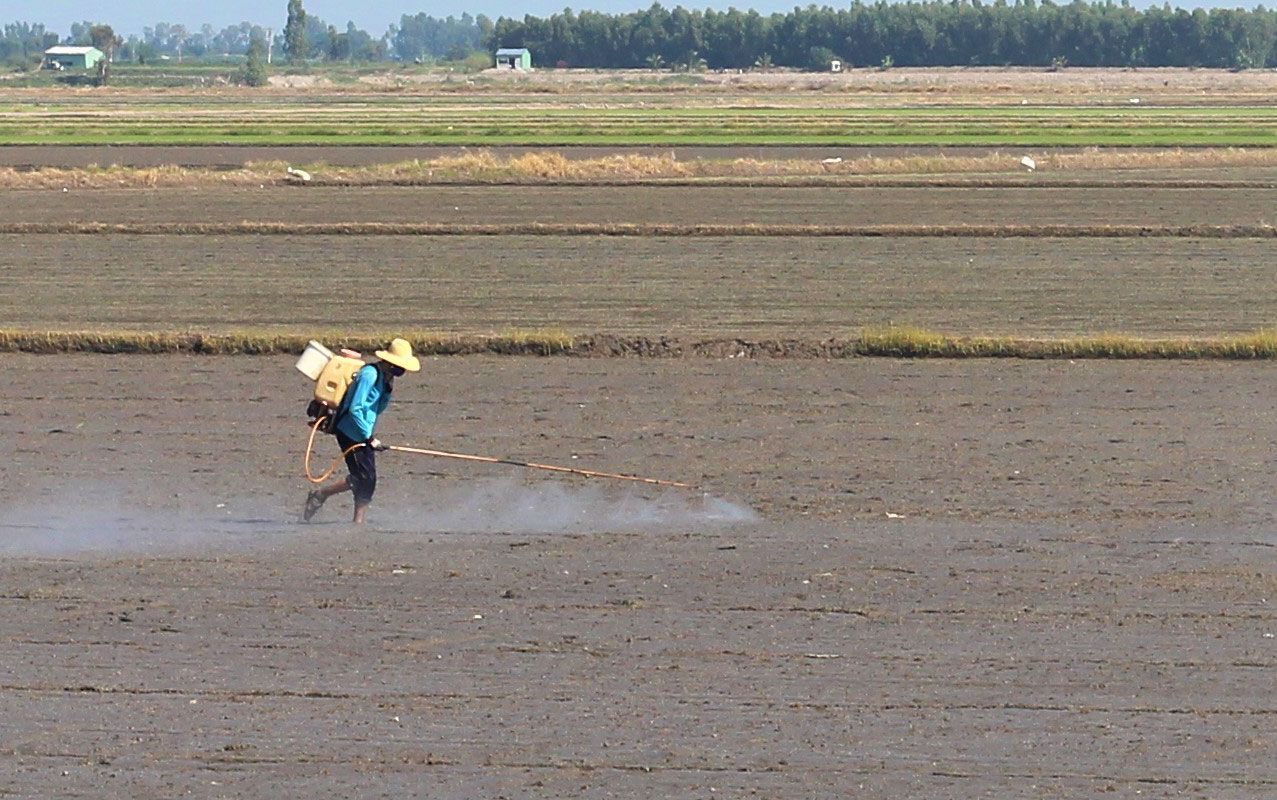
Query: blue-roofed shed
[514,58]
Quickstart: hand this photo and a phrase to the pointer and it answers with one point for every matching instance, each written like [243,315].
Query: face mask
[396,371]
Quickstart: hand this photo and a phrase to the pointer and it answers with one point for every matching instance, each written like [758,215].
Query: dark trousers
[362,463]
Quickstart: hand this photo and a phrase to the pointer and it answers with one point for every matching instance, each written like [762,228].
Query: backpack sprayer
[333,373]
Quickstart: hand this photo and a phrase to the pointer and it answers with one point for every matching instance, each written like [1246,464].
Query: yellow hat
[400,354]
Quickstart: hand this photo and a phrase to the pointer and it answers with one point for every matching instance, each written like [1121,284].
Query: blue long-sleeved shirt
[365,399]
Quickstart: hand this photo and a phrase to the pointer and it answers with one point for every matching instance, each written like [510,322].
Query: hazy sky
[130,16]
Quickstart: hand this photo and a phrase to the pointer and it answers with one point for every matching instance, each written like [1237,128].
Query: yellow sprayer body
[335,379]
[331,373]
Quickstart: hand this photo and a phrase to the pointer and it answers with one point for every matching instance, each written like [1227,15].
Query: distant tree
[80,34]
[918,33]
[338,46]
[254,72]
[127,49]
[457,52]
[103,38]
[317,41]
[165,38]
[818,59]
[485,27]
[235,39]
[23,43]
[333,52]
[362,46]
[197,44]
[422,37]
[295,32]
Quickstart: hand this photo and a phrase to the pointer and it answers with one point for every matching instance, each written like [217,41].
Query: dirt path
[1070,595]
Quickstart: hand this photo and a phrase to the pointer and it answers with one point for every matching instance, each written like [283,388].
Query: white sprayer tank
[313,360]
[331,373]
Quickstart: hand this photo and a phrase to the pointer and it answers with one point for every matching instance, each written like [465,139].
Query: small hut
[514,58]
[73,57]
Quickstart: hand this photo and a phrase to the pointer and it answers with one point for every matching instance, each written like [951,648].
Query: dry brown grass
[1097,159]
[553,167]
[889,341]
[911,342]
[251,343]
[165,177]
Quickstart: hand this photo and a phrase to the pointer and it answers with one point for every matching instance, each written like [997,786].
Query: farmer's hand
[376,444]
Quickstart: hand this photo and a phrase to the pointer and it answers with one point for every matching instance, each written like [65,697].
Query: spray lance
[333,373]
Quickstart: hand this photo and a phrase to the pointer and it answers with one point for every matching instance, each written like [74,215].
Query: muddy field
[786,287]
[763,205]
[966,579]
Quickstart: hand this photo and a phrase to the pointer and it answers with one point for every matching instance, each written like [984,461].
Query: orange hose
[310,446]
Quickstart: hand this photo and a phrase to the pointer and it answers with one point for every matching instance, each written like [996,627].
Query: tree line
[419,38]
[930,33]
[921,34]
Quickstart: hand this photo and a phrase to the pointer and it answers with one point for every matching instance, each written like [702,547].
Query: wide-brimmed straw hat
[400,354]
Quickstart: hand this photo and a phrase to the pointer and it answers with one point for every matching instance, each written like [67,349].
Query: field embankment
[889,166]
[887,341]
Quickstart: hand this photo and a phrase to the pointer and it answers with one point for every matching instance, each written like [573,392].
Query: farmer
[367,397]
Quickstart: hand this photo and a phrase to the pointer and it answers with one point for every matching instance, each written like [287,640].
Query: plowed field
[768,205]
[986,578]
[1008,579]
[718,287]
